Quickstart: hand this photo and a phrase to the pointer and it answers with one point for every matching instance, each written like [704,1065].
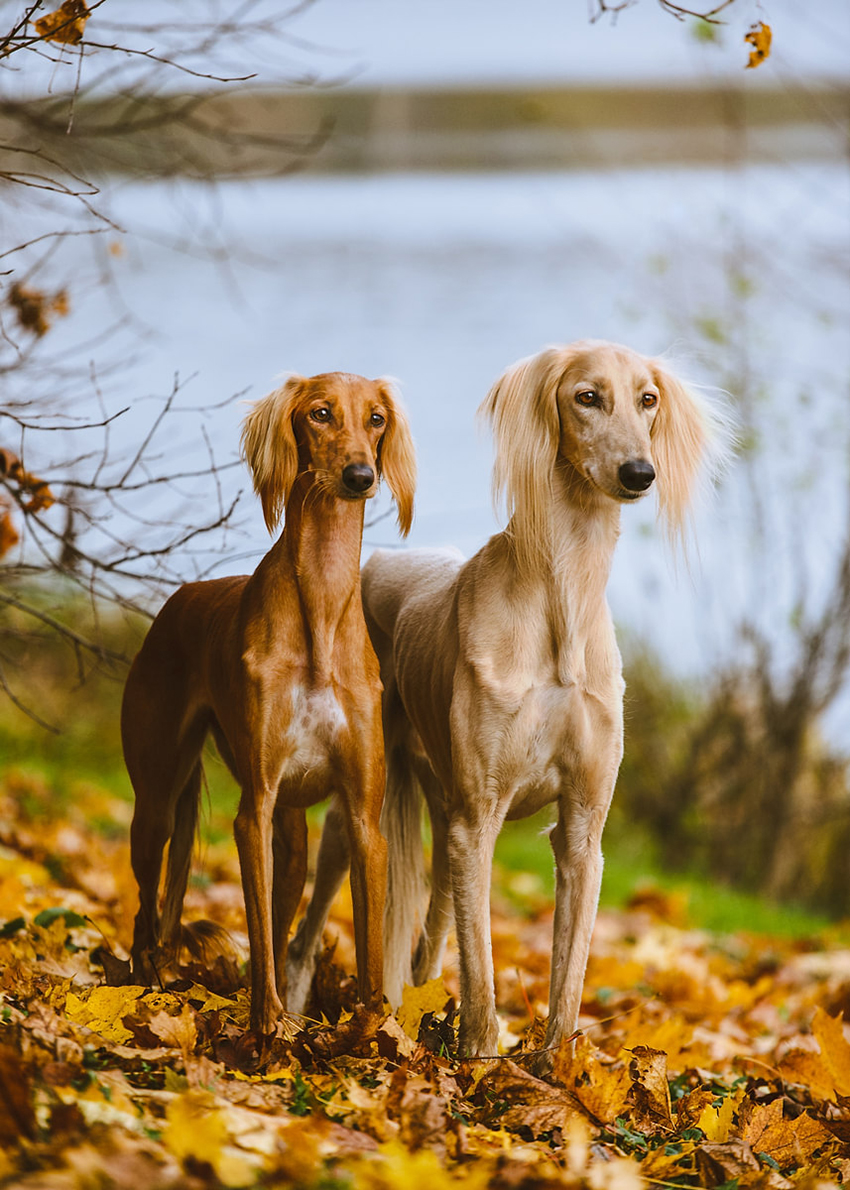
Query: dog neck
[319,552]
[569,575]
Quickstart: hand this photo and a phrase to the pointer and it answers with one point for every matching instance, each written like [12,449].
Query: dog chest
[315,724]
[556,733]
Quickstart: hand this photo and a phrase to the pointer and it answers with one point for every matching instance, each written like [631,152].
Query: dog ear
[270,450]
[522,408]
[680,437]
[397,456]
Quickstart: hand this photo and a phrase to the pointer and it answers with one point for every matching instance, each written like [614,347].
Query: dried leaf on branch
[66,25]
[34,308]
[759,37]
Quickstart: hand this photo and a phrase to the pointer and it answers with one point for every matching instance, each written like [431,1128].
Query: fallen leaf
[601,1087]
[16,1113]
[178,1031]
[721,1163]
[826,1072]
[416,1001]
[649,1092]
[196,1130]
[716,1122]
[787,1142]
[102,1009]
[517,1099]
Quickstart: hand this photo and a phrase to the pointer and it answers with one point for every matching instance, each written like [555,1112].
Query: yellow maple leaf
[394,1166]
[415,1002]
[197,1129]
[834,1048]
[67,24]
[826,1073]
[716,1122]
[103,1009]
[759,37]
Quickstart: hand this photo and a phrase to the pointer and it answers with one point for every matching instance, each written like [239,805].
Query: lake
[442,280]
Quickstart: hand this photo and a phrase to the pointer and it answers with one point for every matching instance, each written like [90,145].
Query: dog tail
[200,938]
[401,823]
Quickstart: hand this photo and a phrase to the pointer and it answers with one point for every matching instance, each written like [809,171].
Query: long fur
[522,410]
[530,477]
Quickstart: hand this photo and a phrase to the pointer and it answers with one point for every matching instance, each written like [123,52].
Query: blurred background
[196,200]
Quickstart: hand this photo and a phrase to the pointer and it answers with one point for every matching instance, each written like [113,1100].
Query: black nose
[358,477]
[636,475]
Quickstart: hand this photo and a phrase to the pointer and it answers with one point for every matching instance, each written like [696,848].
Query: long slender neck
[572,574]
[320,549]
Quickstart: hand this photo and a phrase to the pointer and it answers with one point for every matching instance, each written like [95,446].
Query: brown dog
[278,666]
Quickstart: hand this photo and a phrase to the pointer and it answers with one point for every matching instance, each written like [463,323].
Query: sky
[486,41]
[444,42]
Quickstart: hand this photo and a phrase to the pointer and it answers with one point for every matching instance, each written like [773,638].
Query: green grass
[631,865]
[87,749]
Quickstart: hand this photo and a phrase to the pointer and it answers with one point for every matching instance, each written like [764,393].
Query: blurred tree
[80,96]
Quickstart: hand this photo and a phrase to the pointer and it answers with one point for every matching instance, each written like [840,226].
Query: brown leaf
[600,1087]
[67,24]
[178,1031]
[393,1043]
[16,1113]
[34,492]
[788,1142]
[720,1163]
[353,1036]
[33,307]
[650,1092]
[532,1103]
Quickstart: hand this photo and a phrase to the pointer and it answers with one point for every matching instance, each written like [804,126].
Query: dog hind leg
[305,947]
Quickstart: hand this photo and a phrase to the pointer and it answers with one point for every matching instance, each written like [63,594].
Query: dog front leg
[576,842]
[471,845]
[368,849]
[253,831]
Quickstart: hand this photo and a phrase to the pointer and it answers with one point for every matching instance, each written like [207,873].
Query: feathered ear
[522,408]
[681,434]
[270,450]
[397,457]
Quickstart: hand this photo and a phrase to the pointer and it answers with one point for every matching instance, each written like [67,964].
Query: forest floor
[704,1059]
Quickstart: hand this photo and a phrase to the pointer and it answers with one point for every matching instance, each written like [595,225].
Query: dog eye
[587,398]
[321,414]
[649,400]
[377,419]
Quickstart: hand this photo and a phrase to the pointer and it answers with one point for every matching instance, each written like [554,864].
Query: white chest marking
[317,719]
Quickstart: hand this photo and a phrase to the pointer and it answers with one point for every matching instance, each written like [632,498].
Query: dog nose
[358,477]
[636,475]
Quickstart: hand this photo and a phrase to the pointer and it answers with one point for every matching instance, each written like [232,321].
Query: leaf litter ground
[702,1060]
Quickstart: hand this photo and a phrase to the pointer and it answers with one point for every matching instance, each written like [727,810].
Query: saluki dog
[279,668]
[503,686]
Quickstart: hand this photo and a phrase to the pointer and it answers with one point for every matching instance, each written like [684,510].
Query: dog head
[346,430]
[605,419]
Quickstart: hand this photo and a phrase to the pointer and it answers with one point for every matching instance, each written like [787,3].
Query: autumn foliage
[703,1060]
